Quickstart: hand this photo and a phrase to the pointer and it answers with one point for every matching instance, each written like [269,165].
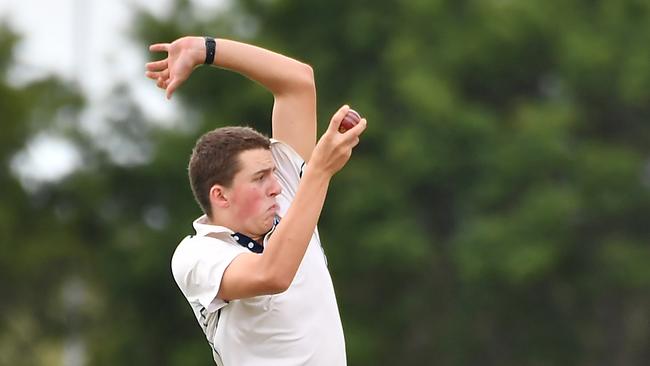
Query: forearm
[287,245]
[280,74]
[291,82]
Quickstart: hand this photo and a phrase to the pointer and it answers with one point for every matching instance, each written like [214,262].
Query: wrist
[210,46]
[317,172]
[193,46]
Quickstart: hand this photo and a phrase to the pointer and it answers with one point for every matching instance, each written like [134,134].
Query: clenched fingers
[356,131]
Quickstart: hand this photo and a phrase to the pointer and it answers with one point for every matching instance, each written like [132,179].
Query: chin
[268,225]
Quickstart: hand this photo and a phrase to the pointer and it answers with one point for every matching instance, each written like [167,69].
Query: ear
[218,196]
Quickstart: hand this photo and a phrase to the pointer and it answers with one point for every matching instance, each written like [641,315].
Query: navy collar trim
[248,243]
[251,244]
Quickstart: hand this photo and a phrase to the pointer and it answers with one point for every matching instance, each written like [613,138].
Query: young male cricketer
[255,273]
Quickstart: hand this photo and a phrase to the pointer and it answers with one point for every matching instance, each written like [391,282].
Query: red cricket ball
[350,120]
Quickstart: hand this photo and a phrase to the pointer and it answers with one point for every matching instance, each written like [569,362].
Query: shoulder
[286,159]
[194,249]
[284,152]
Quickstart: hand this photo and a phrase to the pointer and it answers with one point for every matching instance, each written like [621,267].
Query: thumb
[172,86]
[337,118]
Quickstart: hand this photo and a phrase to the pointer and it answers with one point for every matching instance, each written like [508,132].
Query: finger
[159,47]
[357,130]
[156,65]
[172,86]
[354,142]
[160,83]
[337,118]
[154,75]
[157,75]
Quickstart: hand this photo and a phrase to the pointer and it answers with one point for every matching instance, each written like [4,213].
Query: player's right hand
[334,149]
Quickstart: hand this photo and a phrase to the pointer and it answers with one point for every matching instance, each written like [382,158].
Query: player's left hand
[183,55]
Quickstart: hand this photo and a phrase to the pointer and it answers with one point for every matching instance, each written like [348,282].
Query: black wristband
[210,49]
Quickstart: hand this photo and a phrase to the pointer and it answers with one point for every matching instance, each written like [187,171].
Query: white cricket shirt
[300,326]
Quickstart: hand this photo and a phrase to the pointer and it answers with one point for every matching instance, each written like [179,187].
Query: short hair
[215,159]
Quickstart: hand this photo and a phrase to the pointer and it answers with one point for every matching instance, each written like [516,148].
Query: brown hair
[215,159]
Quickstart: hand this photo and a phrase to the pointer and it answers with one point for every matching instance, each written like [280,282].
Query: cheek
[248,201]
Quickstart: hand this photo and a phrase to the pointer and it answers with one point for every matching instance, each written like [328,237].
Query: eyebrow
[264,171]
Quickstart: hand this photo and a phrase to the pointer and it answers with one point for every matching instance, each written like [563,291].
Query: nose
[275,188]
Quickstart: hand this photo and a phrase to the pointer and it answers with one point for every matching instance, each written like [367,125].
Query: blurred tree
[38,254]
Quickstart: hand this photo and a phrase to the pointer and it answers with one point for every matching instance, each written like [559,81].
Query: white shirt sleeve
[290,167]
[198,266]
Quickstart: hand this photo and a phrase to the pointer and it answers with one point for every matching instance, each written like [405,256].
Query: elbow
[297,80]
[277,283]
[308,74]
[304,77]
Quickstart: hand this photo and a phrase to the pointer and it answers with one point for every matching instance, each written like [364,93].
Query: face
[251,198]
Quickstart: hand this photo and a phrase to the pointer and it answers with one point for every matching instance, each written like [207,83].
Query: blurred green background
[496,212]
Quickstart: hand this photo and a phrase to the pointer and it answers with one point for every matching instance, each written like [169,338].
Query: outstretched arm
[290,81]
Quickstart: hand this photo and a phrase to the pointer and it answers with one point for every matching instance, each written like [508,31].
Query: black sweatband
[210,49]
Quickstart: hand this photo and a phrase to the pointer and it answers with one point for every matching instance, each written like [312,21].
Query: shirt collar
[203,227]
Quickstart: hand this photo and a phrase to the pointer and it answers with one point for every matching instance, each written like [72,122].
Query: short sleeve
[289,166]
[198,266]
